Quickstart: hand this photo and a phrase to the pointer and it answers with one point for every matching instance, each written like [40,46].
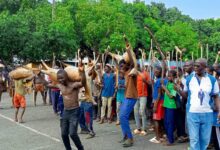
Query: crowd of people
[176,103]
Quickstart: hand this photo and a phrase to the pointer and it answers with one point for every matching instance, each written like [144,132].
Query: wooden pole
[207,52]
[201,48]
[159,50]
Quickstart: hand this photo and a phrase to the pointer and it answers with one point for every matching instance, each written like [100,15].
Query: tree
[181,35]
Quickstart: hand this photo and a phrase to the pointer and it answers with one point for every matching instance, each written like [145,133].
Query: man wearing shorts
[19,99]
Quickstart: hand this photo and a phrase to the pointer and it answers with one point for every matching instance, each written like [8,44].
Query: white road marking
[42,147]
[33,130]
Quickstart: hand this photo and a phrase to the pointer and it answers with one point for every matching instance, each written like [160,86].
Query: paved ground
[41,132]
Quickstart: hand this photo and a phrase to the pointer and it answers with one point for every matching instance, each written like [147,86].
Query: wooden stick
[207,52]
[157,44]
[216,59]
[158,48]
[142,58]
[201,48]
[54,61]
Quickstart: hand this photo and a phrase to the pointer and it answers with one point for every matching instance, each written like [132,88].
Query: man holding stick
[131,96]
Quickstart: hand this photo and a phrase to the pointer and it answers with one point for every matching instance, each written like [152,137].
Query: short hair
[202,61]
[211,68]
[122,62]
[173,73]
[158,68]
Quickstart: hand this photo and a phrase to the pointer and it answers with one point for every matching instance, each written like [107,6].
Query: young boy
[158,110]
[170,106]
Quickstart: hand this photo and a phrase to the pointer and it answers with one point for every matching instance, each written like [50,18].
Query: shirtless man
[39,82]
[70,119]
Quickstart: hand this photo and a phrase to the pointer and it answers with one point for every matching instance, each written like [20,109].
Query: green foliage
[180,34]
[28,31]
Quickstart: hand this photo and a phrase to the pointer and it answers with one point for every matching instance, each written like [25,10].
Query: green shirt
[170,102]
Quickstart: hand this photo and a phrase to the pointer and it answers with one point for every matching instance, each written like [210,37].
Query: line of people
[184,100]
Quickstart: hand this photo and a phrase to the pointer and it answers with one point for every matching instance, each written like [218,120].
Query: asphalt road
[41,131]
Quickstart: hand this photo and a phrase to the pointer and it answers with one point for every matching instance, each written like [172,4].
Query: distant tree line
[29,32]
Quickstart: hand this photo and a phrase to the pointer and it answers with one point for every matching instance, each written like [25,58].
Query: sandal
[154,140]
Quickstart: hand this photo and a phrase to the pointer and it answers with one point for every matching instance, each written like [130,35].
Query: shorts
[39,87]
[19,101]
[159,114]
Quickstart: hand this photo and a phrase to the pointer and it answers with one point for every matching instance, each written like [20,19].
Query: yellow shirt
[19,87]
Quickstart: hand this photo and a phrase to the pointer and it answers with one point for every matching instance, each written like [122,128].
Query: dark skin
[23,109]
[1,84]
[157,123]
[39,79]
[68,88]
[188,67]
[142,75]
[107,71]
[199,69]
[171,79]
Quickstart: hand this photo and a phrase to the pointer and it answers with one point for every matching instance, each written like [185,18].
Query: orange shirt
[141,85]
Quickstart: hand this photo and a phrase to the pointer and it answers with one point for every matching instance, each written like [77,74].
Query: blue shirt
[121,91]
[157,85]
[108,85]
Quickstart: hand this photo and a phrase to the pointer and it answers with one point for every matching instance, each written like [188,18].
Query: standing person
[86,104]
[39,84]
[108,83]
[131,96]
[158,110]
[11,89]
[86,114]
[200,87]
[143,79]
[19,98]
[180,119]
[97,91]
[47,90]
[170,106]
[2,80]
[120,93]
[70,119]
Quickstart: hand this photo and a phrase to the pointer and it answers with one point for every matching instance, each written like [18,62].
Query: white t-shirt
[199,94]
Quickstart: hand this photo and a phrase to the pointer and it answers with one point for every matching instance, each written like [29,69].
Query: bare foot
[16,120]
